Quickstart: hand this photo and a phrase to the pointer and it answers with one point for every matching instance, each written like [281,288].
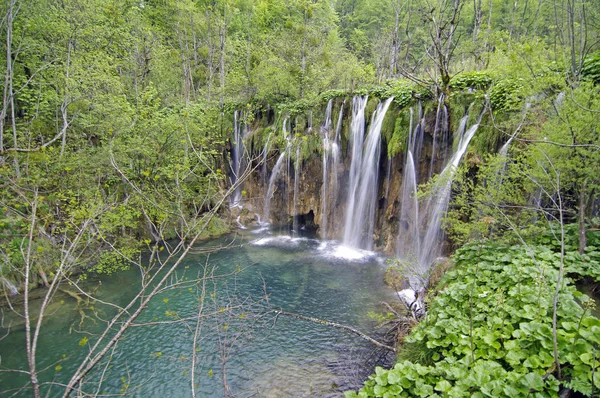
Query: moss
[403,93]
[370,108]
[325,96]
[489,136]
[389,123]
[397,141]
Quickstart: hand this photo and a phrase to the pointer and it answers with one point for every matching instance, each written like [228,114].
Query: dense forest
[117,125]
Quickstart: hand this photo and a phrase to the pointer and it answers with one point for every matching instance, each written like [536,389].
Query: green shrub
[505,95]
[477,80]
[490,332]
[591,67]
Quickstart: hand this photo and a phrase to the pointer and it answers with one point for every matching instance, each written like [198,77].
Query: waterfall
[441,127]
[9,286]
[325,129]
[409,242]
[265,153]
[421,250]
[364,173]
[297,166]
[357,133]
[274,174]
[237,160]
[503,152]
[331,164]
[271,189]
[432,241]
[408,245]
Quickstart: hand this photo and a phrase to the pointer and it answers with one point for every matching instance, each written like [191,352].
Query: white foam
[279,240]
[260,230]
[411,300]
[334,250]
[239,223]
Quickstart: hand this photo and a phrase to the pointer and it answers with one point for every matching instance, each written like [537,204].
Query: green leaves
[490,331]
[591,67]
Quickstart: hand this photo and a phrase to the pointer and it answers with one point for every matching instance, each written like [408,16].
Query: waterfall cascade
[441,136]
[417,246]
[327,150]
[402,223]
[274,174]
[9,286]
[364,173]
[331,164]
[238,162]
[438,203]
[297,169]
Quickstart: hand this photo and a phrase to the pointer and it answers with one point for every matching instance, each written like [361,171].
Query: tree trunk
[222,33]
[210,56]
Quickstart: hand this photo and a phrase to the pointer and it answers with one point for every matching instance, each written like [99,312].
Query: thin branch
[336,325]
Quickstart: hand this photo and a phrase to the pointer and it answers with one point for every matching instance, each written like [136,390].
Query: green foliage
[308,142]
[397,142]
[476,80]
[591,67]
[490,331]
[332,94]
[505,95]
[475,212]
[402,91]
[110,262]
[576,265]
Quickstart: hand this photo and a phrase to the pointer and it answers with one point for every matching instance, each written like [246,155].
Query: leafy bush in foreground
[489,332]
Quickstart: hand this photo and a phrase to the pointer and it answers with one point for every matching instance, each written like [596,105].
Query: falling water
[237,151]
[409,244]
[357,136]
[362,197]
[271,189]
[335,155]
[503,152]
[274,174]
[297,166]
[441,127]
[9,286]
[325,129]
[265,153]
[438,204]
[421,250]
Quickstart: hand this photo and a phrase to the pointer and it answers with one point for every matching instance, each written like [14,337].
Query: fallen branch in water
[336,325]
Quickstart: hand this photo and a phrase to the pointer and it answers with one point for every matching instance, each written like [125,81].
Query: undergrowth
[489,332]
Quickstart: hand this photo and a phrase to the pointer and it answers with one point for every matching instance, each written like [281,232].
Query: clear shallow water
[259,354]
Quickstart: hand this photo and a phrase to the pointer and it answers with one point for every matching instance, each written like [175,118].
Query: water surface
[242,346]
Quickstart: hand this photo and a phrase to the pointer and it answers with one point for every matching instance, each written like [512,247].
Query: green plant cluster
[403,91]
[476,80]
[110,262]
[331,94]
[489,332]
[399,137]
[591,67]
[505,95]
[577,265]
[297,107]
